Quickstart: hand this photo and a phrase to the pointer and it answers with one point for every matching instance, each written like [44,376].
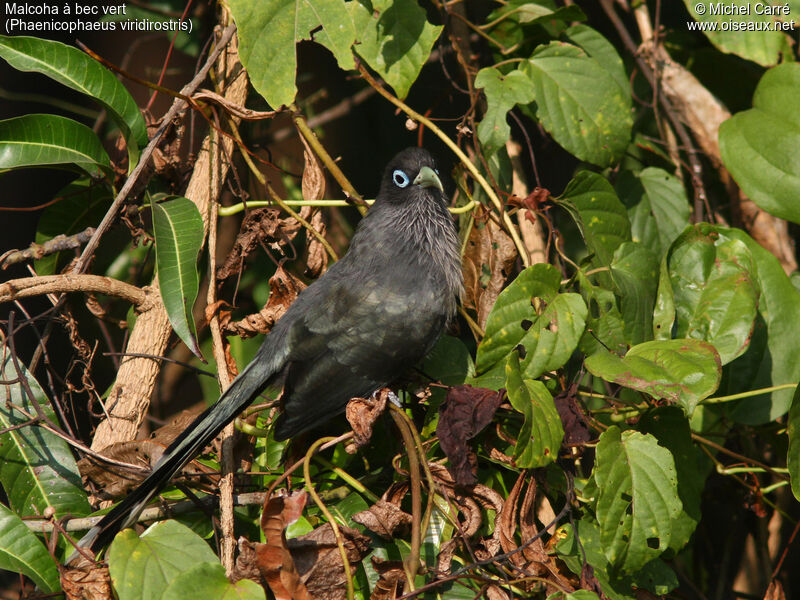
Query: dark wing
[350,341]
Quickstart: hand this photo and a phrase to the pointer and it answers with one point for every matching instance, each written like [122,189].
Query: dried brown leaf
[317,260]
[273,559]
[319,563]
[384,519]
[576,429]
[363,412]
[464,413]
[86,581]
[488,260]
[390,581]
[495,592]
[284,289]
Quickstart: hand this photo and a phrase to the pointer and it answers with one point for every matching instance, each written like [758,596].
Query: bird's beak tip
[427,177]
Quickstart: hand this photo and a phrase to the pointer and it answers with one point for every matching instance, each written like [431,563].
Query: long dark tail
[244,389]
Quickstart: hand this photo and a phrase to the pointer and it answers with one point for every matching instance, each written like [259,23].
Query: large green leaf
[530,312]
[637,497]
[742,31]
[655,576]
[83,204]
[22,552]
[579,103]
[793,451]
[77,70]
[600,49]
[269,31]
[714,290]
[671,428]
[143,567]
[773,362]
[634,271]
[540,436]
[207,581]
[38,140]
[394,38]
[503,92]
[657,207]
[600,215]
[37,469]
[680,371]
[759,146]
[178,229]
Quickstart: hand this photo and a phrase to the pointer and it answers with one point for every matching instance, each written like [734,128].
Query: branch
[38,251]
[53,284]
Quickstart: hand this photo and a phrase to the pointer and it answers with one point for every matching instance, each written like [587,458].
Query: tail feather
[186,446]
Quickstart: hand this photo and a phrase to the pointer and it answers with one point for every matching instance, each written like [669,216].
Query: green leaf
[207,581]
[759,146]
[655,576]
[603,51]
[671,428]
[634,271]
[37,469]
[38,140]
[714,290]
[541,434]
[657,207]
[77,70]
[503,92]
[22,552]
[532,313]
[580,103]
[395,39]
[449,361]
[793,451]
[143,567]
[776,362]
[638,497]
[599,214]
[269,31]
[604,325]
[680,371]
[178,229]
[83,204]
[738,33]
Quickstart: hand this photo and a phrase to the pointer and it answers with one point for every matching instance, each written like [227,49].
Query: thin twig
[71,282]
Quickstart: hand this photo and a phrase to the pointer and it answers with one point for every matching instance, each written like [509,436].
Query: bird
[369,318]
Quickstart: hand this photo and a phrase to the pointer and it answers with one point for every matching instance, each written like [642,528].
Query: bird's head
[410,177]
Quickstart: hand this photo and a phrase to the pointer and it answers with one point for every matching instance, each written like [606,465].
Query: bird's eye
[400,179]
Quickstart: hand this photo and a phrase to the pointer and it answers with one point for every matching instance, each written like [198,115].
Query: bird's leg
[391,397]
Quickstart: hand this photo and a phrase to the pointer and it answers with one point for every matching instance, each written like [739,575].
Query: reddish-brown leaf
[576,429]
[317,260]
[464,413]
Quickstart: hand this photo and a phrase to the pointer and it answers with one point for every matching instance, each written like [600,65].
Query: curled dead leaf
[384,519]
[317,260]
[390,581]
[284,289]
[86,581]
[363,412]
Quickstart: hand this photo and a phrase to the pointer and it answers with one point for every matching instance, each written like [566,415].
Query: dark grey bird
[370,317]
